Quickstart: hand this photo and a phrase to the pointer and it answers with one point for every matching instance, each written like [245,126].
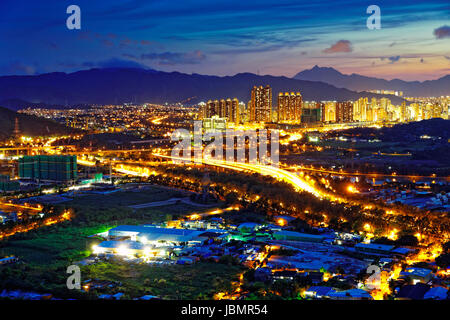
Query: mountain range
[121,85]
[358,82]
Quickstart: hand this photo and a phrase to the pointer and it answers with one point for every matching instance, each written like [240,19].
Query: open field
[54,246]
[199,281]
[125,198]
[93,214]
[46,253]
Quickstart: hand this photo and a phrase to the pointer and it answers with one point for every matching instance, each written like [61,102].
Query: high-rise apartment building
[232,110]
[344,111]
[227,109]
[360,109]
[289,107]
[211,108]
[329,111]
[403,114]
[261,104]
[312,112]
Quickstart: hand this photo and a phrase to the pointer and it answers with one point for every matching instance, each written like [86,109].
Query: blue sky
[279,37]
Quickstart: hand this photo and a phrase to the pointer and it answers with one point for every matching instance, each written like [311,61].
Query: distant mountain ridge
[358,82]
[121,85]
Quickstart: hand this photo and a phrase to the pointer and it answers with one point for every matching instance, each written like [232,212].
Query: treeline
[268,196]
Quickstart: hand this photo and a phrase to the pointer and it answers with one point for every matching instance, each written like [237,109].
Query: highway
[299,183]
[369,175]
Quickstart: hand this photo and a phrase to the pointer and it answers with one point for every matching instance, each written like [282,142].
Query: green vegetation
[68,241]
[125,198]
[198,281]
[45,253]
[54,246]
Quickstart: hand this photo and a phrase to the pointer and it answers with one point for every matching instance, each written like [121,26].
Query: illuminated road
[297,182]
[300,183]
[368,175]
[100,152]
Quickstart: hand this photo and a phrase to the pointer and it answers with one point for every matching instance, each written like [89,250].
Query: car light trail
[298,183]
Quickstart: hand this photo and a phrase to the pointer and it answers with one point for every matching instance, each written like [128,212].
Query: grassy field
[126,198]
[47,252]
[59,246]
[197,281]
[98,213]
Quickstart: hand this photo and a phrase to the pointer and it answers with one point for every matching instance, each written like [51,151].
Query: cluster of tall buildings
[292,109]
[228,109]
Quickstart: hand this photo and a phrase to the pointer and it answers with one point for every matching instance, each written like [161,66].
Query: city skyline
[226,38]
[264,152]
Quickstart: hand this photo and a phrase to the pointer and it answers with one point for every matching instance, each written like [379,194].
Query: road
[370,175]
[299,183]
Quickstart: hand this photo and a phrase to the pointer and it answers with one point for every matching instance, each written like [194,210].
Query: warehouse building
[297,236]
[374,248]
[154,235]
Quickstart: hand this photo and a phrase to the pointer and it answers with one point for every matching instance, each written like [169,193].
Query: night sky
[278,37]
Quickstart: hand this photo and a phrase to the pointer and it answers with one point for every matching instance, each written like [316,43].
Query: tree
[443,260]
[408,240]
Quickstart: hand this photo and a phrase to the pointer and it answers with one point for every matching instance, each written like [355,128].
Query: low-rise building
[417,275]
[297,236]
[374,248]
[148,234]
[351,294]
[318,292]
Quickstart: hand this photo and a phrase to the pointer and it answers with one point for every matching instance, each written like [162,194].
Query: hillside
[18,104]
[120,85]
[29,125]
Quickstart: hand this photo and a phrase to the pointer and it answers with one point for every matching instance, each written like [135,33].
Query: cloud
[173,58]
[114,63]
[127,42]
[442,32]
[394,59]
[107,43]
[108,40]
[18,68]
[84,35]
[340,46]
[52,45]
[243,44]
